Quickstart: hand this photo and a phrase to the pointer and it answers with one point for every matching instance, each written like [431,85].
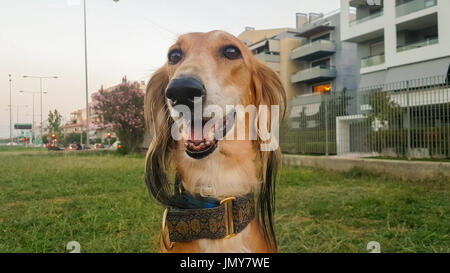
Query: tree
[54,122]
[384,109]
[122,111]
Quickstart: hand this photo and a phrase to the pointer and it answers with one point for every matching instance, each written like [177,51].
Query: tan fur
[236,167]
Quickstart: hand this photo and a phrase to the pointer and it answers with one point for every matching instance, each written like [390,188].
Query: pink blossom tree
[122,111]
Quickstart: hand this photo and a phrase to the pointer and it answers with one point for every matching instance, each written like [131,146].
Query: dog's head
[205,74]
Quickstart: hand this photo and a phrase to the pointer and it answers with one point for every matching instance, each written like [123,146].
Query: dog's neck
[218,176]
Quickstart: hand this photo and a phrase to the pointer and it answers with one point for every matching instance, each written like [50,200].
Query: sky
[128,37]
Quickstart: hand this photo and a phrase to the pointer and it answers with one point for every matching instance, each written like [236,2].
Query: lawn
[21,149]
[49,199]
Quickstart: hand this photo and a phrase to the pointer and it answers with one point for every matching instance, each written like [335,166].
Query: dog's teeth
[211,134]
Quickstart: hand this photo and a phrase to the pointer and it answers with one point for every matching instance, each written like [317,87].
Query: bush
[122,111]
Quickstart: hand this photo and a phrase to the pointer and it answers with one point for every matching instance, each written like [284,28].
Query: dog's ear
[267,87]
[268,90]
[155,106]
[159,123]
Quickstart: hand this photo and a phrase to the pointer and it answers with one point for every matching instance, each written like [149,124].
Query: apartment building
[273,47]
[398,40]
[327,63]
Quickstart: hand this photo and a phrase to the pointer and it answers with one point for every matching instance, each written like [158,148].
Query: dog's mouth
[204,141]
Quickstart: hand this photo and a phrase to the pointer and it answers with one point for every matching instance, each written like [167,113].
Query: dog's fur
[236,167]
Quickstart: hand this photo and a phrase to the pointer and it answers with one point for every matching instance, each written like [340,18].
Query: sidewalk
[413,170]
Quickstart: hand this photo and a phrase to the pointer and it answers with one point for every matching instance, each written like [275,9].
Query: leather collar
[207,218]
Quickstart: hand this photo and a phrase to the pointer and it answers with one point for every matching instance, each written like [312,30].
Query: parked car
[99,146]
[74,147]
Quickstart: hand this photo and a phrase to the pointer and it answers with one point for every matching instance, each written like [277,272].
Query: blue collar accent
[198,202]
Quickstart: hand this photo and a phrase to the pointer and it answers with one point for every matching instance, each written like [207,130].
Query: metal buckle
[229,226]
[167,243]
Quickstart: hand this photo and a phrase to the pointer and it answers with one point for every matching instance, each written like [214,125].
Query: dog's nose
[182,91]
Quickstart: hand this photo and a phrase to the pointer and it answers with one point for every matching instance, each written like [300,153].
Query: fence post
[326,126]
[408,113]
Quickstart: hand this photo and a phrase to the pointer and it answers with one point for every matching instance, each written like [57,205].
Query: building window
[322,88]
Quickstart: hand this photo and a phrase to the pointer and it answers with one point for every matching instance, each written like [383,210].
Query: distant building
[327,62]
[398,40]
[311,59]
[273,46]
[97,130]
[77,123]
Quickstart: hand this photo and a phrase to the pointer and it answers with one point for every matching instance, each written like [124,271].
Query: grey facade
[324,57]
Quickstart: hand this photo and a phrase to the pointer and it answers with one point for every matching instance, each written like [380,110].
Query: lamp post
[86,72]
[17,108]
[10,109]
[32,93]
[40,88]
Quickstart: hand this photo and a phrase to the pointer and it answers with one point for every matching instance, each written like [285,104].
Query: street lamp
[86,72]
[40,85]
[32,93]
[10,109]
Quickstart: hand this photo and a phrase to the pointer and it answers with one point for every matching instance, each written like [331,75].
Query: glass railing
[269,56]
[315,43]
[372,60]
[367,18]
[423,43]
[319,67]
[414,6]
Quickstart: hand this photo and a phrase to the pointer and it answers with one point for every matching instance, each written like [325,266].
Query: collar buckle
[229,225]
[165,236]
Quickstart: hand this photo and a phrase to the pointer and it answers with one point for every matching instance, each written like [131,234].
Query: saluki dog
[219,192]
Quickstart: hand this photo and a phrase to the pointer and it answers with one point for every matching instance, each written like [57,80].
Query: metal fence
[402,119]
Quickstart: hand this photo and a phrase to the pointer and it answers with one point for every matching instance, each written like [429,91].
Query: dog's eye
[231,52]
[175,56]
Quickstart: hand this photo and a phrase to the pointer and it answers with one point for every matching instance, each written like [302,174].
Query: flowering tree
[122,111]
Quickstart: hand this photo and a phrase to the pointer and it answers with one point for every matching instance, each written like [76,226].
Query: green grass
[21,149]
[101,201]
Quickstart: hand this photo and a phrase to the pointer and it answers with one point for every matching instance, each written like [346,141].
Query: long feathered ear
[159,123]
[268,90]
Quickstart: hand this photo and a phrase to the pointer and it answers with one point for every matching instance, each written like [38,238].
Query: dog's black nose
[182,91]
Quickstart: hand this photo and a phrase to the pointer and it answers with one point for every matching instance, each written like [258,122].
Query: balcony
[414,6]
[423,43]
[367,18]
[319,25]
[314,50]
[314,74]
[270,57]
[372,60]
